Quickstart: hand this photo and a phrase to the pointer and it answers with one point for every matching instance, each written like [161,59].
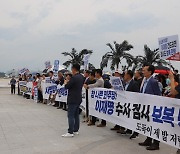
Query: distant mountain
[2,74]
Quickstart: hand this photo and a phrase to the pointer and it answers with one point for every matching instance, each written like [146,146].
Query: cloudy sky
[33,31]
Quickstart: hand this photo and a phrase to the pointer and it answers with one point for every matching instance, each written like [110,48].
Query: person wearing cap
[119,73]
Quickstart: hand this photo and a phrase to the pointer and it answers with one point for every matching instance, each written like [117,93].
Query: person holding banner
[19,79]
[99,83]
[138,77]
[130,85]
[150,86]
[175,91]
[38,80]
[86,76]
[118,74]
[74,99]
[60,81]
[89,79]
[51,75]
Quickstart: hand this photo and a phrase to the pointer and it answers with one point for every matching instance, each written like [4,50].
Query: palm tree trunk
[117,66]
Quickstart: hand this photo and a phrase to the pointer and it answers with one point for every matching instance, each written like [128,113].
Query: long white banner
[154,116]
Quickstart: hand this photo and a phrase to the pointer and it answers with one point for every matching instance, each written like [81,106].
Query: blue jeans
[73,118]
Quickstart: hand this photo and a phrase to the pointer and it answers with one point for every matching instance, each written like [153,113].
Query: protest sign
[116,83]
[26,88]
[169,48]
[48,89]
[23,71]
[83,104]
[47,80]
[29,87]
[56,68]
[36,94]
[22,86]
[154,116]
[86,61]
[47,64]
[61,94]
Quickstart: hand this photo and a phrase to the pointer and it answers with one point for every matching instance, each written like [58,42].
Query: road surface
[27,127]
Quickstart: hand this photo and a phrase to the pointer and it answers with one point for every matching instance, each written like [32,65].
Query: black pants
[93,119]
[18,90]
[103,122]
[152,141]
[87,104]
[13,89]
[117,126]
[73,118]
[40,96]
[62,105]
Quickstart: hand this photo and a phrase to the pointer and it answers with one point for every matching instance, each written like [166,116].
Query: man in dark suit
[138,77]
[150,86]
[74,99]
[86,76]
[130,85]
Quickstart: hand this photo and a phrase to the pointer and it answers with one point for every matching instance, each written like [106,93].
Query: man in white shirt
[99,83]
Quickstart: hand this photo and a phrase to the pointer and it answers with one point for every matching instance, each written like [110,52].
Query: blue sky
[32,32]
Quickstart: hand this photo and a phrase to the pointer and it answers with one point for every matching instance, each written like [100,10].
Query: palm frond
[110,46]
[67,63]
[67,54]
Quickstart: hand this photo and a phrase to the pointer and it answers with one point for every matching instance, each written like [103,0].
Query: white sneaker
[49,104]
[68,135]
[76,133]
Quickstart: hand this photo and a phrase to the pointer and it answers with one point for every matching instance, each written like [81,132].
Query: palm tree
[117,53]
[75,57]
[151,57]
[91,66]
[136,63]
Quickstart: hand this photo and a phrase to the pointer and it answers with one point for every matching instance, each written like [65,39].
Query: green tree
[117,53]
[151,57]
[75,57]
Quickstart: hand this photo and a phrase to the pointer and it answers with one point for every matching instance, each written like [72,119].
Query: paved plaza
[30,128]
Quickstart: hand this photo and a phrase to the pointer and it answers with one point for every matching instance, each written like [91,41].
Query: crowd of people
[140,81]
